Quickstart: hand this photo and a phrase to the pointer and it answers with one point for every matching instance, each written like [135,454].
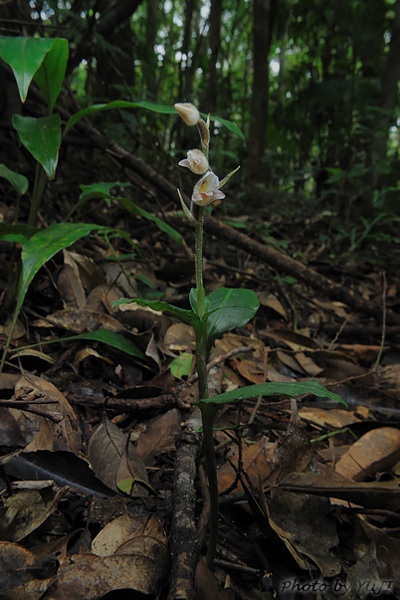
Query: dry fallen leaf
[26,510]
[159,437]
[24,575]
[113,537]
[258,462]
[116,461]
[377,450]
[66,434]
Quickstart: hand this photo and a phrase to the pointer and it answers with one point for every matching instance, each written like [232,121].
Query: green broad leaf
[16,233]
[152,106]
[181,366]
[290,390]
[19,182]
[99,190]
[161,306]
[51,73]
[24,55]
[162,226]
[229,125]
[122,104]
[111,338]
[44,245]
[42,137]
[226,309]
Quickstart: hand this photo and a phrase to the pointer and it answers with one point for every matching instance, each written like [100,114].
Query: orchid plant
[214,314]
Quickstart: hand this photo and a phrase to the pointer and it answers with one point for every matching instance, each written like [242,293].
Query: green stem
[207,410]
[38,188]
[208,413]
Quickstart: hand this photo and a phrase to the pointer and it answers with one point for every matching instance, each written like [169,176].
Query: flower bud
[196,161]
[188,112]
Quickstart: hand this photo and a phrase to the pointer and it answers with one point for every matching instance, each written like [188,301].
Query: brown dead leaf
[371,494]
[159,437]
[79,321]
[206,585]
[10,433]
[290,361]
[335,417]
[24,575]
[26,510]
[180,337]
[272,302]
[116,461]
[250,366]
[258,462]
[70,287]
[66,434]
[295,341]
[305,525]
[377,450]
[89,577]
[113,537]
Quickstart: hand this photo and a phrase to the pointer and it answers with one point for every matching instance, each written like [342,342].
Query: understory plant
[213,314]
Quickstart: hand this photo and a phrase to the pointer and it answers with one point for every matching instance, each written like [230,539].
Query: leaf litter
[309,490]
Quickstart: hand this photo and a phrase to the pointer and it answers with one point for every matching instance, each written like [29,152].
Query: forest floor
[309,489]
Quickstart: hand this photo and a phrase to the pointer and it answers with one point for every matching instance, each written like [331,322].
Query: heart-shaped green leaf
[42,137]
[226,309]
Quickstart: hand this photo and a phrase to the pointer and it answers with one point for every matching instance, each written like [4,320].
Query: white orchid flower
[207,190]
[188,112]
[196,161]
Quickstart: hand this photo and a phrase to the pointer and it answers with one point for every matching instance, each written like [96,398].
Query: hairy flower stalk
[205,191]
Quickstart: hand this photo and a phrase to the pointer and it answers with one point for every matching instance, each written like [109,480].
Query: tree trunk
[210,103]
[263,19]
[389,84]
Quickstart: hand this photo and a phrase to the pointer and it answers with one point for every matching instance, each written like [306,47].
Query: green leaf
[16,233]
[158,108]
[19,182]
[290,390]
[161,306]
[51,73]
[103,190]
[182,365]
[122,104]
[229,125]
[162,226]
[226,309]
[42,137]
[24,55]
[111,338]
[44,245]
[99,190]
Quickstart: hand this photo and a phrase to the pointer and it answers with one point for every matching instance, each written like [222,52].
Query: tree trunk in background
[185,72]
[389,83]
[111,17]
[263,20]
[151,62]
[210,103]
